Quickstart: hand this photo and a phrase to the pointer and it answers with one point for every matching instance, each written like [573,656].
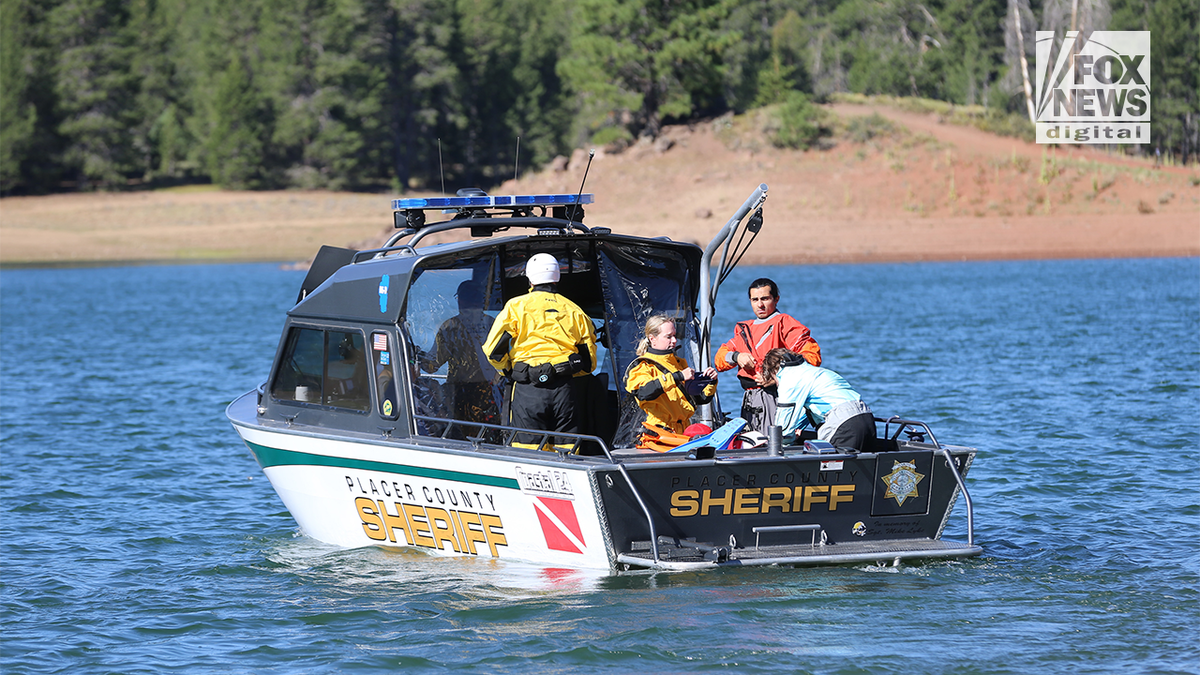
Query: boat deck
[687,555]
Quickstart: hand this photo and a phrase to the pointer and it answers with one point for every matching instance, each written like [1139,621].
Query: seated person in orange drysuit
[666,388]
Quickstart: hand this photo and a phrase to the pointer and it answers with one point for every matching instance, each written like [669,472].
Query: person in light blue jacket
[818,396]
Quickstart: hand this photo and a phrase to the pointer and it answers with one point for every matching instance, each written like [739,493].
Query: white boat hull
[354,493]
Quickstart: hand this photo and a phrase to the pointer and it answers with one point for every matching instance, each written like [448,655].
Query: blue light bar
[500,200]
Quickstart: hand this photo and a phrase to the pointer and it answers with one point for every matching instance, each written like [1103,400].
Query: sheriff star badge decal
[902,481]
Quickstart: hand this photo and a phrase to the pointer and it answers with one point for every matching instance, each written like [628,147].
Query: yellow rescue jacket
[651,379]
[537,328]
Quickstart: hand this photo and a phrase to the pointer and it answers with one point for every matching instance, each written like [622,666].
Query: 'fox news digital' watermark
[1098,90]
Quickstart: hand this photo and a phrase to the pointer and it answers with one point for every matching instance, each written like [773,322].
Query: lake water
[138,535]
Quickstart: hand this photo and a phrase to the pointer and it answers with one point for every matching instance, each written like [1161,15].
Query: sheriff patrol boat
[379,421]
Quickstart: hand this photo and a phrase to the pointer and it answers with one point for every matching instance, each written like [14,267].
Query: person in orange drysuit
[666,388]
[770,329]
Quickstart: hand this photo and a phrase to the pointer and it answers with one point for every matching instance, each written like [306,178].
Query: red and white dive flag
[559,524]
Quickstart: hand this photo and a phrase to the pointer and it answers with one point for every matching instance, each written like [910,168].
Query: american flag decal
[559,524]
[380,342]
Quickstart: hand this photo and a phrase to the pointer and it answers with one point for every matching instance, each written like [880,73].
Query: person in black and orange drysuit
[665,387]
[770,329]
[458,342]
[545,344]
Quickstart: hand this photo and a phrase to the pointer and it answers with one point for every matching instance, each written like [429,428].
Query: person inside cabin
[666,388]
[811,395]
[752,340]
[546,345]
[459,342]
[428,398]
[346,374]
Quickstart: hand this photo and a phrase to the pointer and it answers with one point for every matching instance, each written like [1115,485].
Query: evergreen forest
[390,95]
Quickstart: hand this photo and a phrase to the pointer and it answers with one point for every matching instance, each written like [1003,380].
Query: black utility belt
[544,375]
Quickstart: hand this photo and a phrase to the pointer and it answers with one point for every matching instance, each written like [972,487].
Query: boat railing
[491,225]
[547,440]
[480,224]
[373,253]
[911,425]
[729,259]
[478,227]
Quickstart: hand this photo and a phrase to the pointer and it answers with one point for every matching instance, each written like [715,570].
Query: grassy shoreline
[924,185]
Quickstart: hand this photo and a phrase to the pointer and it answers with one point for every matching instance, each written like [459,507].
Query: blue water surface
[138,535]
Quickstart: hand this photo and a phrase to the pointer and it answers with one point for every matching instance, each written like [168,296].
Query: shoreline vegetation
[371,95]
[886,180]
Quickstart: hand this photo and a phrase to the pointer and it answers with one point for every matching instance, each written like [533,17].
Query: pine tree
[18,115]
[323,69]
[973,52]
[423,80]
[237,146]
[160,138]
[538,113]
[1174,27]
[95,89]
[635,64]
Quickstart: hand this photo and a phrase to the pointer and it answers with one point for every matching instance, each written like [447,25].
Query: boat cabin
[389,340]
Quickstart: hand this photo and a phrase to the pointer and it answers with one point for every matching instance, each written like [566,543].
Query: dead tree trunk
[1024,63]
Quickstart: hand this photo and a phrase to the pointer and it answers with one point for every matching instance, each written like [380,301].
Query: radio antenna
[591,154]
[441,169]
[517,159]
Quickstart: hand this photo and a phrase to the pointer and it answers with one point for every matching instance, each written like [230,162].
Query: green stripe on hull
[268,457]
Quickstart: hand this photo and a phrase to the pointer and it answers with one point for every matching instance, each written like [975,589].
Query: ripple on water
[138,535]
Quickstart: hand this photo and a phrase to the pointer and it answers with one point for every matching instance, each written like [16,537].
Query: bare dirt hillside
[919,190]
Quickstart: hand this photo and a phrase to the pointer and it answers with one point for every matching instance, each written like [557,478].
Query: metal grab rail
[708,289]
[649,519]
[543,442]
[511,433]
[901,424]
[380,252]
[791,528]
[497,224]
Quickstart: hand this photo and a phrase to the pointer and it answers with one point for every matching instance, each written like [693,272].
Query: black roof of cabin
[356,292]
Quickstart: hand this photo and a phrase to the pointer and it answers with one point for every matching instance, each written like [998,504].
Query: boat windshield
[324,367]
[453,300]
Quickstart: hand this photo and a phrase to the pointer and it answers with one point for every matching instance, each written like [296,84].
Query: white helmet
[542,268]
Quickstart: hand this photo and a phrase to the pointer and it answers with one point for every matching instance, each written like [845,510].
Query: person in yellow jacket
[545,344]
[666,388]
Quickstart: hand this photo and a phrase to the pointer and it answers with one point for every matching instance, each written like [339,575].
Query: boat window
[451,305]
[346,371]
[639,281]
[300,373]
[323,367]
[383,355]
[576,260]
